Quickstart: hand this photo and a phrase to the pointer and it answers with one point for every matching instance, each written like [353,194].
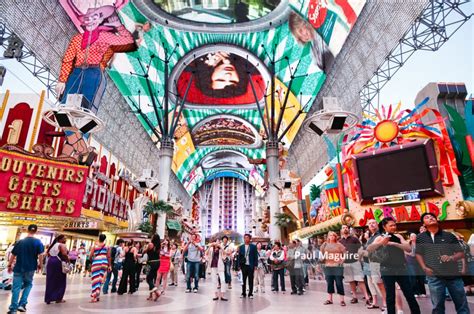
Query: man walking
[26,254]
[352,269]
[194,255]
[117,259]
[437,252]
[248,258]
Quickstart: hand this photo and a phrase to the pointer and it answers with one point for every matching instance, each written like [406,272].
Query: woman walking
[216,263]
[153,253]
[55,278]
[175,258]
[129,269]
[332,253]
[260,273]
[100,264]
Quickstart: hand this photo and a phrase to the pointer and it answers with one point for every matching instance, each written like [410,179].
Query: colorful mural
[223,79]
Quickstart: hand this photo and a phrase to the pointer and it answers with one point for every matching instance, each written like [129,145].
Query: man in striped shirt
[437,252]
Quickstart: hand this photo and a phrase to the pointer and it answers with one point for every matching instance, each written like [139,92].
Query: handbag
[66,267]
[146,269]
[171,267]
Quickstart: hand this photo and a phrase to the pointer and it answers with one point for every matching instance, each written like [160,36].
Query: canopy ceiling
[221,127]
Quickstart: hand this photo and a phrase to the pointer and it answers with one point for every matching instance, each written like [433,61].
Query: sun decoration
[386,131]
[390,127]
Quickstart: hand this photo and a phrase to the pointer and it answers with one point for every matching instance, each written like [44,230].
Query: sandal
[343,303]
[156,295]
[327,302]
[94,300]
[354,301]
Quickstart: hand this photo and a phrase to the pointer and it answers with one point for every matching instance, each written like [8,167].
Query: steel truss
[435,25]
[28,59]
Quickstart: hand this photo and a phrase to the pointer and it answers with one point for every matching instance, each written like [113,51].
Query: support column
[166,157]
[273,192]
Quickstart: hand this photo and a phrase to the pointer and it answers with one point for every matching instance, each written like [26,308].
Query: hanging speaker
[316,129]
[88,127]
[63,120]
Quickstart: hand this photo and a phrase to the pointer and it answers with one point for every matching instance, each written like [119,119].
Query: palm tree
[283,220]
[156,209]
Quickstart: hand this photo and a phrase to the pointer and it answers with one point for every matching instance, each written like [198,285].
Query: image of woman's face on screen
[221,77]
[224,75]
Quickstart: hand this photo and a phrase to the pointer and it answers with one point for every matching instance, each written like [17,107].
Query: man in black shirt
[437,252]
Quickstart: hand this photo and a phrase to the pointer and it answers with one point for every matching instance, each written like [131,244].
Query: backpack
[113,253]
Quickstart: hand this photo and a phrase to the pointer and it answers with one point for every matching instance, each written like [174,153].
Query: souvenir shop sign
[82,224]
[101,198]
[405,213]
[31,185]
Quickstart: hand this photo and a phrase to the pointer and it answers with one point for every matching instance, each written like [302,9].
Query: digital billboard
[218,11]
[214,61]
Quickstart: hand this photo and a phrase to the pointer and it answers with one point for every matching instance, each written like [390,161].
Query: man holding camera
[194,255]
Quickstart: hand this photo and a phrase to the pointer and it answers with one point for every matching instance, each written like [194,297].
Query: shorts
[375,274]
[353,272]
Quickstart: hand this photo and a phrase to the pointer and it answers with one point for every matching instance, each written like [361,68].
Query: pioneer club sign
[32,185]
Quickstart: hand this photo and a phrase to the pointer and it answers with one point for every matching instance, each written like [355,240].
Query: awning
[173,224]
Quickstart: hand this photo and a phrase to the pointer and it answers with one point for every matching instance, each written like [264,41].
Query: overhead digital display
[221,78]
[218,11]
[219,86]
[225,130]
[225,159]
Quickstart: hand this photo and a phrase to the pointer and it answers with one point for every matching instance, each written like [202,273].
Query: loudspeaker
[338,122]
[3,71]
[88,126]
[316,129]
[62,119]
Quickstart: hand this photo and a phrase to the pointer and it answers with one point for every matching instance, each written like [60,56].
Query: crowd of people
[379,265]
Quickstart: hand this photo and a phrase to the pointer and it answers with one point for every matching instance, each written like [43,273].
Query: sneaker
[21,308]
[188,291]
[11,312]
[171,284]
[293,292]
[195,290]
[251,296]
[243,296]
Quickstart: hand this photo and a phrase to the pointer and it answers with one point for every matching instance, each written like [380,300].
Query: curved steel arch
[278,16]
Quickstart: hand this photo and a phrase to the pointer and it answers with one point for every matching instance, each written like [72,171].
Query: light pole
[166,125]
[272,122]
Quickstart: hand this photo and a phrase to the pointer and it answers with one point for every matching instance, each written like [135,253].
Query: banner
[31,185]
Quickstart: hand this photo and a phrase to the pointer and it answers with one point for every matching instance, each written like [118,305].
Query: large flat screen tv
[410,167]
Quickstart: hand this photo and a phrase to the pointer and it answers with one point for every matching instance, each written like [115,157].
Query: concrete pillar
[273,192]
[166,157]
